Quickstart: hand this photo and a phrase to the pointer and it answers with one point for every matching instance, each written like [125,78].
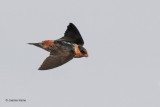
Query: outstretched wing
[56,58]
[72,35]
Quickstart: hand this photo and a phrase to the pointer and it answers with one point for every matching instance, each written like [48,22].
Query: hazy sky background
[123,41]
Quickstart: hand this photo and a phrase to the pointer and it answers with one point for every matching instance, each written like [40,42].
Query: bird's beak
[86,55]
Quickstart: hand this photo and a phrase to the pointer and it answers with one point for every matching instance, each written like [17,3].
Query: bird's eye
[82,51]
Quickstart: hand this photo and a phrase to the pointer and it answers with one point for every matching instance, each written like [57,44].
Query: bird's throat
[78,53]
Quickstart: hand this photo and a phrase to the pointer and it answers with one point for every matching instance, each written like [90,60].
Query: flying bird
[64,49]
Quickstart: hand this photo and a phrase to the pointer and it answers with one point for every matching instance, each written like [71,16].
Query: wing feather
[56,59]
[72,35]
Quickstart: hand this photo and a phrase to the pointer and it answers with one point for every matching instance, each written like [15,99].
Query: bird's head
[83,51]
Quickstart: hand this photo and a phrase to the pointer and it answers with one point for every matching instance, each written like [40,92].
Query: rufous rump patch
[48,43]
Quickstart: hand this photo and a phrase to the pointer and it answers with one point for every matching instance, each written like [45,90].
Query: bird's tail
[36,44]
[40,45]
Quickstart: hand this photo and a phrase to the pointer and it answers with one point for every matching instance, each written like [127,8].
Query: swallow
[64,49]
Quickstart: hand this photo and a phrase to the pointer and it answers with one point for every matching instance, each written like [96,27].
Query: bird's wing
[57,57]
[72,35]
